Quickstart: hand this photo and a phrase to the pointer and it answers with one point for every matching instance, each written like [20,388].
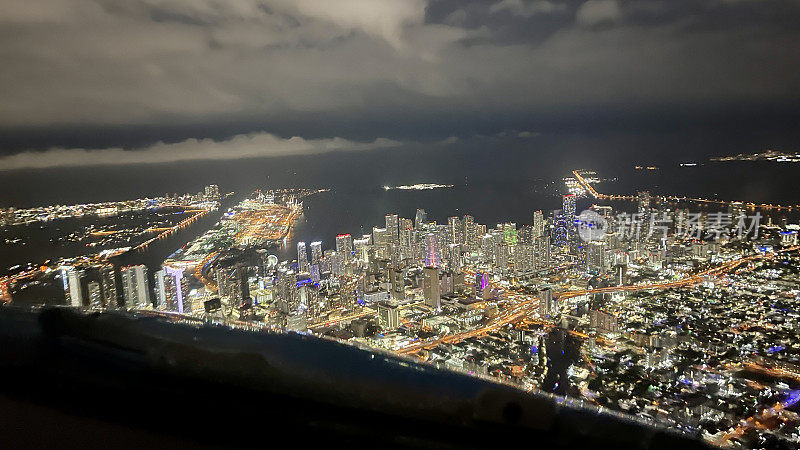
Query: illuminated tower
[344,245]
[470,233]
[177,288]
[95,295]
[393,228]
[316,253]
[431,287]
[398,285]
[302,257]
[643,200]
[135,287]
[432,255]
[542,252]
[420,218]
[560,229]
[455,231]
[108,283]
[538,223]
[568,208]
[161,288]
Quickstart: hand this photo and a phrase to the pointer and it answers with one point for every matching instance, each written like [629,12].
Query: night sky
[105,82]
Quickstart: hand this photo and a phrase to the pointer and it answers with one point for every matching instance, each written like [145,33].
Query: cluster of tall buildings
[398,260]
[101,286]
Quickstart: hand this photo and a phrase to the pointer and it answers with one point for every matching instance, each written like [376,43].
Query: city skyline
[400,223]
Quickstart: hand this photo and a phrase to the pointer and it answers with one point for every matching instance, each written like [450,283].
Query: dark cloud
[399,69]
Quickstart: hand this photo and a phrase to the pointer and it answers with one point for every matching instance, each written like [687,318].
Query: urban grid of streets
[698,331]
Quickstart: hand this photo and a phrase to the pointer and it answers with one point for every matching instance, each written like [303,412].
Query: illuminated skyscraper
[398,291]
[509,232]
[344,245]
[361,247]
[432,254]
[455,231]
[160,288]
[302,257]
[388,316]
[380,237]
[548,305]
[560,229]
[643,200]
[212,191]
[95,295]
[569,207]
[420,219]
[316,253]
[470,233]
[73,289]
[542,252]
[177,290]
[596,257]
[393,228]
[108,283]
[431,287]
[538,223]
[135,287]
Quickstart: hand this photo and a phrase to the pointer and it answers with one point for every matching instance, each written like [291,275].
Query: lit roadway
[588,187]
[178,226]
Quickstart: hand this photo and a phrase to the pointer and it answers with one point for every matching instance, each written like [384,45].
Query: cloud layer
[256,145]
[99,63]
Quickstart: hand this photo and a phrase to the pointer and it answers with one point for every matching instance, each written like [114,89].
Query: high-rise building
[388,316]
[431,287]
[470,234]
[560,229]
[344,245]
[643,211]
[568,213]
[316,253]
[287,294]
[212,191]
[542,252]
[160,288]
[620,273]
[302,258]
[454,256]
[108,283]
[596,257]
[95,295]
[538,223]
[420,219]
[398,291]
[509,232]
[455,231]
[393,228]
[548,305]
[380,236]
[177,290]
[432,254]
[643,202]
[361,247]
[135,287]
[72,285]
[568,207]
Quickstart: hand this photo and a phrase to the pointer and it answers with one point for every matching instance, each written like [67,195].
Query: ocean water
[495,180]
